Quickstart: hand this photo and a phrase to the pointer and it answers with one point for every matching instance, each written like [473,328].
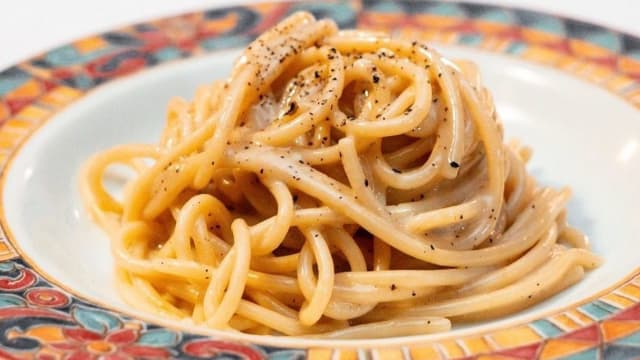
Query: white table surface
[28,27]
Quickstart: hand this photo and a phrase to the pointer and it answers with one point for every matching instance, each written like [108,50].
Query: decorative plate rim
[32,91]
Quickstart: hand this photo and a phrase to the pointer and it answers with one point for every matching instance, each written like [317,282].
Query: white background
[28,27]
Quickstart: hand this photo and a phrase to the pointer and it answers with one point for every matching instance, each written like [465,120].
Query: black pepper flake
[393,287]
[413,293]
[375,78]
[316,74]
[432,247]
[292,108]
[533,206]
[461,216]
[366,182]
[454,164]
[261,171]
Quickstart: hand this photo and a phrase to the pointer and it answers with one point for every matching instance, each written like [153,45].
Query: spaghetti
[342,184]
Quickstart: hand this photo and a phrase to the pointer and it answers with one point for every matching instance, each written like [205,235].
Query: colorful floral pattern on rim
[39,320]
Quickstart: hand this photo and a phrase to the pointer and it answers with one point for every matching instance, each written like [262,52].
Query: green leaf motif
[158,338]
[288,355]
[96,320]
[11,300]
[9,265]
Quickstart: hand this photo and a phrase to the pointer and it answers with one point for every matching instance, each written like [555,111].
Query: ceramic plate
[569,89]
